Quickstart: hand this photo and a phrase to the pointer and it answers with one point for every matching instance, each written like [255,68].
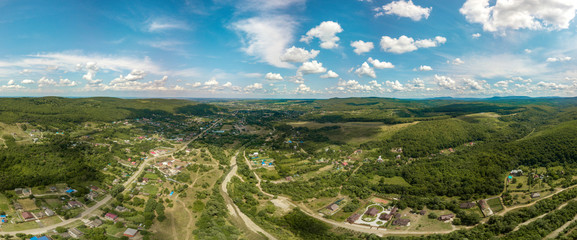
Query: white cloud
[163,24]
[476,35]
[445,82]
[396,85]
[416,83]
[44,82]
[502,84]
[27,81]
[520,14]
[132,76]
[295,54]
[273,76]
[474,85]
[12,85]
[252,87]
[362,47]
[405,44]
[267,37]
[330,74]
[366,70]
[458,61]
[380,65]
[312,67]
[326,32]
[267,5]
[552,85]
[211,82]
[355,86]
[558,59]
[302,88]
[155,85]
[403,8]
[195,84]
[227,85]
[425,68]
[528,50]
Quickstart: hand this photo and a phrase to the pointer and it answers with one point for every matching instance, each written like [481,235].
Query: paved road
[88,211]
[234,210]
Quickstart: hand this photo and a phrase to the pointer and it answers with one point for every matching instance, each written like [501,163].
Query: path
[557,231]
[235,211]
[508,209]
[540,216]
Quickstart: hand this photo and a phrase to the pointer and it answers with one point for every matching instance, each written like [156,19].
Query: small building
[517,172]
[386,217]
[27,216]
[74,204]
[333,207]
[130,232]
[535,195]
[423,212]
[467,205]
[75,233]
[18,191]
[17,206]
[402,222]
[372,212]
[111,217]
[49,212]
[120,208]
[94,223]
[393,210]
[446,217]
[353,218]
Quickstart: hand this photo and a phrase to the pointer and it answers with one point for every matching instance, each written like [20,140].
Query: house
[402,222]
[130,232]
[74,204]
[27,216]
[386,217]
[17,206]
[393,210]
[110,216]
[535,195]
[92,196]
[53,189]
[485,208]
[353,218]
[517,172]
[94,188]
[333,207]
[40,214]
[49,212]
[467,205]
[120,208]
[423,212]
[75,233]
[18,191]
[95,223]
[372,212]
[446,217]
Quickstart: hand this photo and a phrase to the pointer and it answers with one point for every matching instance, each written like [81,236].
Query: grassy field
[151,176]
[393,181]
[355,132]
[19,226]
[4,203]
[495,205]
[51,220]
[150,189]
[422,222]
[28,204]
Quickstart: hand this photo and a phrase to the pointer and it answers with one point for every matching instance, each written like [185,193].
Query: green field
[495,205]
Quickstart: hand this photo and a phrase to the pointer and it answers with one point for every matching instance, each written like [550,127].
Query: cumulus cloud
[302,88]
[12,85]
[521,14]
[405,44]
[273,76]
[227,85]
[134,75]
[424,68]
[330,74]
[458,61]
[416,84]
[476,35]
[396,85]
[211,82]
[473,84]
[155,85]
[252,87]
[403,8]
[528,50]
[380,65]
[27,81]
[326,32]
[558,59]
[502,84]
[266,38]
[295,54]
[366,70]
[355,86]
[311,68]
[552,86]
[445,82]
[362,46]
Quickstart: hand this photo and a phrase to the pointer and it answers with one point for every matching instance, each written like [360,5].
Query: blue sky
[288,48]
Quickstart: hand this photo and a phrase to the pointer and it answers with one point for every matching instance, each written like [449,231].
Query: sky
[288,48]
